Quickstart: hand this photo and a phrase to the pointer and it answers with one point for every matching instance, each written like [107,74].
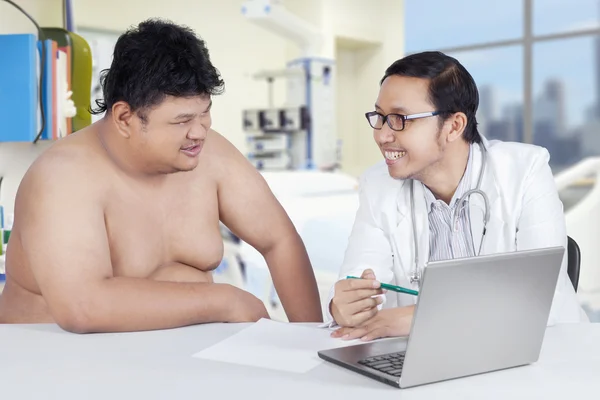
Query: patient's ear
[123,118]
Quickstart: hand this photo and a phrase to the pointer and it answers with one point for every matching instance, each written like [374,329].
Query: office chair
[574,261]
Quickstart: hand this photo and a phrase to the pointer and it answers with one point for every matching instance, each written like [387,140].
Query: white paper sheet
[275,345]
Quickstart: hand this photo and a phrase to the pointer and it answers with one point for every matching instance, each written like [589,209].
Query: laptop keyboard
[389,363]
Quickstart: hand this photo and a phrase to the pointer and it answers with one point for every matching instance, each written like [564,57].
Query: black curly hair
[156,59]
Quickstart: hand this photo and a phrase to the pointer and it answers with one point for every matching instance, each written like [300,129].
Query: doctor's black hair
[451,87]
[153,60]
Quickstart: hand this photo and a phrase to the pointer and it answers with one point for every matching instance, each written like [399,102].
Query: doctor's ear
[455,126]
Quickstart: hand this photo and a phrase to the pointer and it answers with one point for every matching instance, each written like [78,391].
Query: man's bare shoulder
[219,145]
[70,163]
[223,158]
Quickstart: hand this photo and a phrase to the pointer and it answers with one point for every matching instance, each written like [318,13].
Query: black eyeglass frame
[402,117]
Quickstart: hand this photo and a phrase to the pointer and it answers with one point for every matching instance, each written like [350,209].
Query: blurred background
[536,63]
[299,76]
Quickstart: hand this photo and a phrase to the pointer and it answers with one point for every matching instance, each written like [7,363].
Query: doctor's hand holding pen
[354,301]
[355,309]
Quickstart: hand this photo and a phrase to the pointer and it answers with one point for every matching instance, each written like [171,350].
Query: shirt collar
[462,188]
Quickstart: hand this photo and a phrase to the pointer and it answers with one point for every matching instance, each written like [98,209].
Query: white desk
[44,362]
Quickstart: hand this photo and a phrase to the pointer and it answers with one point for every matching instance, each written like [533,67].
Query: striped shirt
[443,243]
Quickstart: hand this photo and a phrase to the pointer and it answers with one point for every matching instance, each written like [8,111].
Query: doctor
[442,191]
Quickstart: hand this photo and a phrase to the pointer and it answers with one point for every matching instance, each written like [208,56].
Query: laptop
[473,315]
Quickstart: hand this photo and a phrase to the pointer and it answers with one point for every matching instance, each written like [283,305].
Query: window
[499,76]
[556,16]
[536,64]
[565,99]
[433,24]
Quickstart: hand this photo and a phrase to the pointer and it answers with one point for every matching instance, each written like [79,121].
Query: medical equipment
[460,204]
[301,132]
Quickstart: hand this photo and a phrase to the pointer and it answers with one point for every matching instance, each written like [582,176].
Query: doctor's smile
[393,156]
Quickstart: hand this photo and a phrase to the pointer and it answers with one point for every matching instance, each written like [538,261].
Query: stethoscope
[416,273]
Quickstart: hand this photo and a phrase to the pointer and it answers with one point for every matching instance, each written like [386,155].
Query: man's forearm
[131,304]
[294,280]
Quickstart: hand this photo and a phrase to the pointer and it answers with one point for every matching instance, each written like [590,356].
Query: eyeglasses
[395,121]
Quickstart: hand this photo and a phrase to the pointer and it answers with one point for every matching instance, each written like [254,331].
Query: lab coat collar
[489,186]
[403,236]
[403,231]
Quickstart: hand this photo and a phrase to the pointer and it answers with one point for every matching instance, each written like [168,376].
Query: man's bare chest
[147,232]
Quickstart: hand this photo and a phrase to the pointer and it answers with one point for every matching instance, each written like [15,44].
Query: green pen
[393,288]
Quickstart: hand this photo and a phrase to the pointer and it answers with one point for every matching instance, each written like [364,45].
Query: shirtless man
[117,226]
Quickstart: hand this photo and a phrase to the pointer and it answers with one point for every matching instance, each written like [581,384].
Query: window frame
[527,42]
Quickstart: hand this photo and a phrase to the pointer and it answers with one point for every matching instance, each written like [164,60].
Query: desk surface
[42,361]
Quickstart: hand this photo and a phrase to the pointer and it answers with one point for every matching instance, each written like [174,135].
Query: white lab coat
[525,213]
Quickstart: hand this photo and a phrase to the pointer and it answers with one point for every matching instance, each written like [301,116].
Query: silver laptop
[473,315]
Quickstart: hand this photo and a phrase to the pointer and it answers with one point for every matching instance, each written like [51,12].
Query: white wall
[347,111]
[45,12]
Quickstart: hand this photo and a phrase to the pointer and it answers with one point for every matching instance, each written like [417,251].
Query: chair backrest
[574,261]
